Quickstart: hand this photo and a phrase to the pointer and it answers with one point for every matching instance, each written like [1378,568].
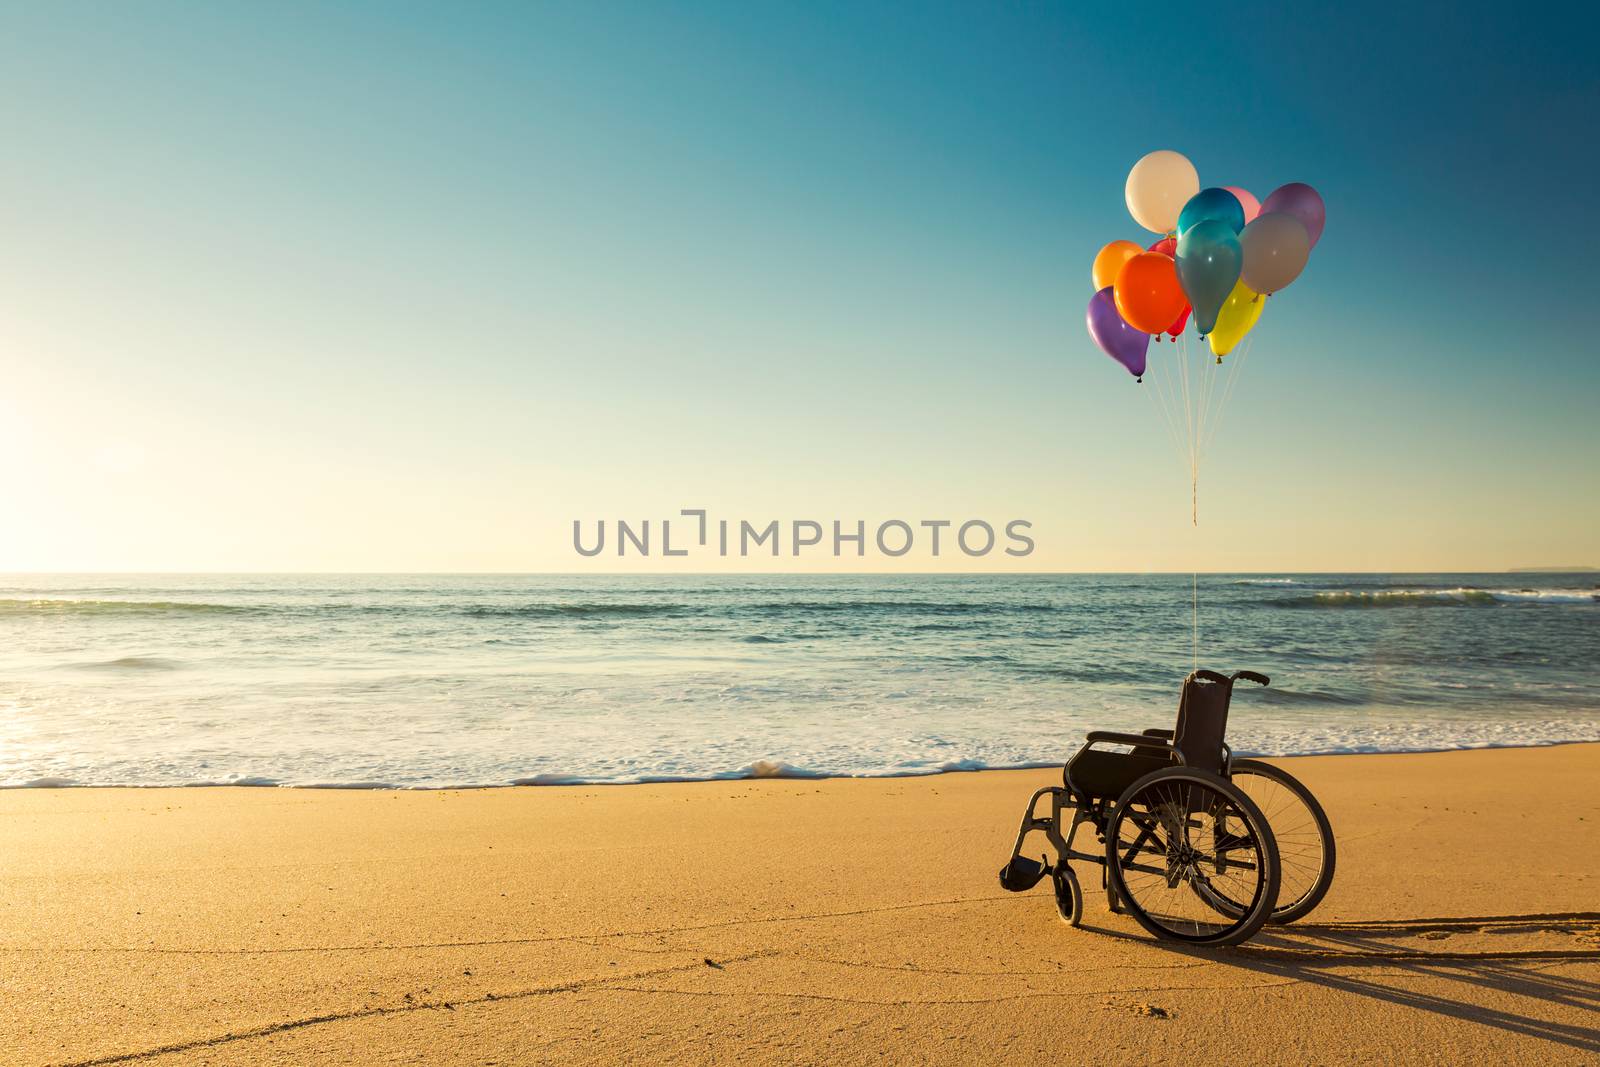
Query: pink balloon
[1252,206]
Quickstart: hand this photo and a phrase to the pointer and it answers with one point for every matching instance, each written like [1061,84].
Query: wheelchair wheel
[1306,851]
[1180,837]
[1069,896]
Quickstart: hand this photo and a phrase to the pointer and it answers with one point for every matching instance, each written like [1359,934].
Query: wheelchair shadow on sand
[1387,961]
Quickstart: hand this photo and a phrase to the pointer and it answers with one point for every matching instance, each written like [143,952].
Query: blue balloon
[1209,261]
[1211,203]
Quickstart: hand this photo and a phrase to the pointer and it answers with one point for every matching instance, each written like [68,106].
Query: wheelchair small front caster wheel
[1069,897]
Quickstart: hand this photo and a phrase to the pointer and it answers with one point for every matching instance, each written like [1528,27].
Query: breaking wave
[131,663]
[1424,598]
[15,606]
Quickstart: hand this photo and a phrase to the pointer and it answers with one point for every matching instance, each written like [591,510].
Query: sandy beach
[847,921]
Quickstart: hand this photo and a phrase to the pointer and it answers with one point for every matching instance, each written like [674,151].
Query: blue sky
[410,287]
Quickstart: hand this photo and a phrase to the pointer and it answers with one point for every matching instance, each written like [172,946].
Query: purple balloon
[1114,336]
[1301,201]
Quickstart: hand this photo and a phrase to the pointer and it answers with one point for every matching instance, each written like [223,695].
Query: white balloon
[1158,187]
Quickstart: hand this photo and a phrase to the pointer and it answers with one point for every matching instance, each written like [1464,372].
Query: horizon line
[774,574]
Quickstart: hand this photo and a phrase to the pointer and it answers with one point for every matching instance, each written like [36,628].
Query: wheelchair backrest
[1203,721]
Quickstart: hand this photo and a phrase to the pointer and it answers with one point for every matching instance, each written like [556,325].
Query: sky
[412,287]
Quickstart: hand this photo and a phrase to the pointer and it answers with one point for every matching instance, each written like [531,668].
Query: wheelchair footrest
[1022,874]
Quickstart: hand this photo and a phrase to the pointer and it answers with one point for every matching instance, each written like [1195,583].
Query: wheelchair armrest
[1111,737]
[1167,734]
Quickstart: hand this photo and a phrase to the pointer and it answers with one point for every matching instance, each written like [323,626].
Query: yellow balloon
[1237,317]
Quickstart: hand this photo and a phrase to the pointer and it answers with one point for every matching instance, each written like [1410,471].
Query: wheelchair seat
[1097,774]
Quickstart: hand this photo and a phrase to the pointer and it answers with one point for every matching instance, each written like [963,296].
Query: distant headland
[1552,570]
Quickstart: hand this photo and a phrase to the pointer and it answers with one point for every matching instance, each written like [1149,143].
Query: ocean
[484,680]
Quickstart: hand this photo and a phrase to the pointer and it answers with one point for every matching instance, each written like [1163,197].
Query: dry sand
[784,921]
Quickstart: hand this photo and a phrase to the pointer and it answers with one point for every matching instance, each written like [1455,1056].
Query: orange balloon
[1109,260]
[1168,246]
[1148,295]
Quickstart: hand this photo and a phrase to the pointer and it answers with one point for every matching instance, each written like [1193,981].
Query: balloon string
[1172,379]
[1235,371]
[1194,445]
[1200,380]
[1189,430]
[1175,400]
[1202,393]
[1173,390]
[1207,368]
[1194,579]
[1167,395]
[1160,399]
[1152,374]
[1183,378]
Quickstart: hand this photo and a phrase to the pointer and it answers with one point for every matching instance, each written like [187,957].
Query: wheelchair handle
[1211,676]
[1251,676]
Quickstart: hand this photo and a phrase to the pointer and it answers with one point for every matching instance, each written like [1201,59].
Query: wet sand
[850,921]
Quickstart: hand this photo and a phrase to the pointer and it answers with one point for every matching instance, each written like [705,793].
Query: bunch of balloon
[1219,255]
[1221,251]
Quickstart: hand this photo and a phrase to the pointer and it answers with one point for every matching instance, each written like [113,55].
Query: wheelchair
[1198,847]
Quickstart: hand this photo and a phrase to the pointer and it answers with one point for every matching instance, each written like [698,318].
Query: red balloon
[1168,246]
[1147,292]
